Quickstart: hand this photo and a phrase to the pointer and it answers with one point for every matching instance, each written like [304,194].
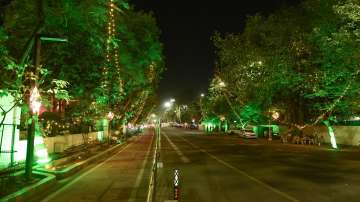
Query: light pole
[34,104]
[110,117]
[202,95]
[169,104]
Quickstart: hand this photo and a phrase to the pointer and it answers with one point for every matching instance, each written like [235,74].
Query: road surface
[218,168]
[226,169]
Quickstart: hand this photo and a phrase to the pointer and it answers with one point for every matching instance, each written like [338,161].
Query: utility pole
[31,126]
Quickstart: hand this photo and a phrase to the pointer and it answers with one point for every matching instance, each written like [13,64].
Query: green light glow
[332,137]
[226,126]
[41,153]
[331,134]
[100,136]
[12,118]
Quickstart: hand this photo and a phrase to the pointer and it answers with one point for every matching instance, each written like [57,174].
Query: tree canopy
[134,47]
[302,60]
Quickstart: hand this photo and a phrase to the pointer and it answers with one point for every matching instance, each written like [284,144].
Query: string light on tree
[112,53]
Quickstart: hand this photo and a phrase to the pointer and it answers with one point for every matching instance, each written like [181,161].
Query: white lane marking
[141,173]
[177,150]
[283,194]
[50,197]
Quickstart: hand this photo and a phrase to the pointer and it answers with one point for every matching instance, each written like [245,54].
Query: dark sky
[186,27]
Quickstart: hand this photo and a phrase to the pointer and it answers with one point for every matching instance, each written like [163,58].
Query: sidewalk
[277,143]
[122,177]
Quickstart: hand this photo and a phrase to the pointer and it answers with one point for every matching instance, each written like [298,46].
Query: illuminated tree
[132,46]
[303,60]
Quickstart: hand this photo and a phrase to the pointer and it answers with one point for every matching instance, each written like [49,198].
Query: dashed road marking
[283,194]
[177,150]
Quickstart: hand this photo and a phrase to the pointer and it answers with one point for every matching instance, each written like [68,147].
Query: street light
[167,105]
[35,105]
[275,115]
[202,95]
[35,102]
[222,84]
[110,117]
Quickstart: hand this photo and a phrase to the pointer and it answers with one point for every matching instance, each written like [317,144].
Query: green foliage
[252,113]
[303,60]
[75,69]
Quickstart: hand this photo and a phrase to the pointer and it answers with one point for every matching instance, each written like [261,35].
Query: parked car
[248,133]
[194,126]
[234,131]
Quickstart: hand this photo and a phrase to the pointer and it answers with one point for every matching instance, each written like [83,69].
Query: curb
[61,174]
[26,193]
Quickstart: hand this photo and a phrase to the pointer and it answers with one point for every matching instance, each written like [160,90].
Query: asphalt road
[122,177]
[225,169]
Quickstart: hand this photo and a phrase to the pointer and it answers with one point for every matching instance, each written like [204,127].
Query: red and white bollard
[176,184]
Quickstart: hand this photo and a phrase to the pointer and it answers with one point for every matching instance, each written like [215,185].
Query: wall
[346,135]
[60,143]
[9,132]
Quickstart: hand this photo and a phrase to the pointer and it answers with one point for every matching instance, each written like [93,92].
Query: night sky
[187,27]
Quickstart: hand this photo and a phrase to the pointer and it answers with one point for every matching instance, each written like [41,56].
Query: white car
[249,134]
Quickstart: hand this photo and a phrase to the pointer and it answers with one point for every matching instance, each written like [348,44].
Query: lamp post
[169,104]
[34,104]
[110,117]
[202,95]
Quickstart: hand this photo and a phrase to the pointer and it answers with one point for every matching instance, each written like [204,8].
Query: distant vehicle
[248,134]
[177,125]
[194,126]
[234,131]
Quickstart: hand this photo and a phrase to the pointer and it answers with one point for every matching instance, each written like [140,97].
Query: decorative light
[110,116]
[275,115]
[35,103]
[112,54]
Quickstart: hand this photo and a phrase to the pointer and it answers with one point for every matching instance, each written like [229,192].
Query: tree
[136,52]
[303,60]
